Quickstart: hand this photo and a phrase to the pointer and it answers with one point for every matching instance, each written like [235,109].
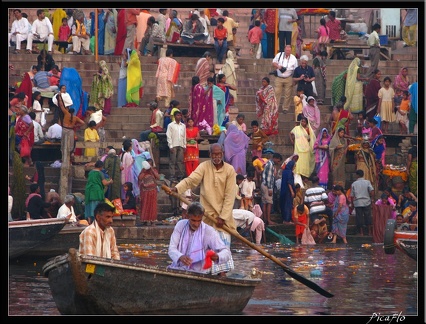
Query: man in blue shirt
[41,81]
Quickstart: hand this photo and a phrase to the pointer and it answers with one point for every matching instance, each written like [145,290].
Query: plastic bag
[259,52]
[307,237]
[378,119]
[314,88]
[25,150]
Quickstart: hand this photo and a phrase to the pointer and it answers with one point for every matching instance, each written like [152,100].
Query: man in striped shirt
[315,198]
[98,239]
[267,186]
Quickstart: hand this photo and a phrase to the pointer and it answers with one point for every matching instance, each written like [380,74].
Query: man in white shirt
[41,30]
[245,219]
[54,133]
[67,209]
[374,42]
[285,63]
[176,140]
[20,30]
[38,130]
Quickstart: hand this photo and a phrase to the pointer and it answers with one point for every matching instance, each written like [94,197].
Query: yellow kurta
[217,191]
[90,135]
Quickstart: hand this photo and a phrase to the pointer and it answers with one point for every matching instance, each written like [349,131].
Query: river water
[364,280]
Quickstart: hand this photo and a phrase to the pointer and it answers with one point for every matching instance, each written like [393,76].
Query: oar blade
[308,283]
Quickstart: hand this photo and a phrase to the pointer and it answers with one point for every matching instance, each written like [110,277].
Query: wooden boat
[405,241]
[27,234]
[67,238]
[92,285]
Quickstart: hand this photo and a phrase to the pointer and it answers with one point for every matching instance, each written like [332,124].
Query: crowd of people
[319,152]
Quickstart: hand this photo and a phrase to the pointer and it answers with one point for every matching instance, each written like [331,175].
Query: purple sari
[322,158]
[235,147]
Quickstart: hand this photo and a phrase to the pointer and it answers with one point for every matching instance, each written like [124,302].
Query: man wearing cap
[304,75]
[156,121]
[285,63]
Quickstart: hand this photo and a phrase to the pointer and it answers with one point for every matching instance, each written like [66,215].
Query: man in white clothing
[67,209]
[176,140]
[38,130]
[194,244]
[20,30]
[245,218]
[285,63]
[41,30]
[54,133]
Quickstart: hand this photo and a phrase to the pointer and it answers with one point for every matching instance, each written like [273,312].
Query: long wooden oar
[234,233]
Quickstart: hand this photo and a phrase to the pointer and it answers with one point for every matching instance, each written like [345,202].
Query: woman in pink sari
[322,157]
[402,81]
[312,112]
[200,103]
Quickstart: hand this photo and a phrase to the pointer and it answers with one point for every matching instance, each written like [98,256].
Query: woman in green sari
[412,166]
[354,87]
[337,148]
[338,87]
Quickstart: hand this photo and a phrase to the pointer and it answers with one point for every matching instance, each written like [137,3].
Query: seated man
[194,244]
[156,121]
[41,81]
[41,30]
[35,204]
[54,133]
[67,210]
[153,33]
[244,218]
[20,30]
[193,31]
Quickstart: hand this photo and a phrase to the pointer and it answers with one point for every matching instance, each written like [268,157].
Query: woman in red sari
[121,32]
[192,152]
[24,134]
[148,193]
[372,94]
[267,108]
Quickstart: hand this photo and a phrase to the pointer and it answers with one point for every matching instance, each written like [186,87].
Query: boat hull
[26,235]
[68,237]
[90,285]
[405,241]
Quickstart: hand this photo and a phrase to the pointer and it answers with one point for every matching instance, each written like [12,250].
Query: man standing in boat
[217,194]
[194,244]
[98,239]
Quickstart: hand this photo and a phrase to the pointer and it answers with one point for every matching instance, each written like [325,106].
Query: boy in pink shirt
[255,36]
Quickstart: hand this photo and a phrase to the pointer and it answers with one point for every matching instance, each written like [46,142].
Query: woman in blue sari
[287,192]
[74,85]
[340,215]
[101,30]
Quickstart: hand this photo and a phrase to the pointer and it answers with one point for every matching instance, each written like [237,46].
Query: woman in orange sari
[148,193]
[192,152]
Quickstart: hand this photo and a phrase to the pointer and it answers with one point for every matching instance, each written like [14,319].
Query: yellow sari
[134,78]
[304,149]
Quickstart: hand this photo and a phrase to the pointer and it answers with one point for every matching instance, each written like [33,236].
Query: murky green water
[364,280]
